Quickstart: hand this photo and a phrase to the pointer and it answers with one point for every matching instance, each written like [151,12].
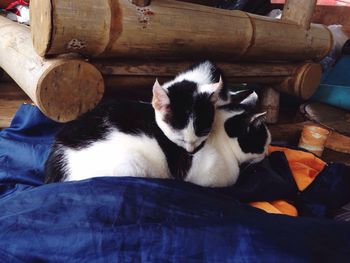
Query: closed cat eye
[204,132]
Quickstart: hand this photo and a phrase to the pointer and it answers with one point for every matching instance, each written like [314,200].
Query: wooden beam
[61,88]
[299,11]
[296,79]
[169,29]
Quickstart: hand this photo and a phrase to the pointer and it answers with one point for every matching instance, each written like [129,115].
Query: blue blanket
[144,220]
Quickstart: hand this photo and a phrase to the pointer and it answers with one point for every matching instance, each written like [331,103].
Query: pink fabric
[321,2]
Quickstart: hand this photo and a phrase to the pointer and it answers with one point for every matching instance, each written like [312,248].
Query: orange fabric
[305,167]
[276,207]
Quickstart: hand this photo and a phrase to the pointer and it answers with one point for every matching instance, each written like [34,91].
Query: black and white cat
[134,139]
[238,136]
[185,107]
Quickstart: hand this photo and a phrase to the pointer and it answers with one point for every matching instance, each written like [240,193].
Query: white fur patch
[217,163]
[118,155]
[185,138]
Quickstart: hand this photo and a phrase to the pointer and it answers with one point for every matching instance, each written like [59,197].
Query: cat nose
[190,147]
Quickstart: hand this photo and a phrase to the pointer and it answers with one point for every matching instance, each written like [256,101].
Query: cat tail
[55,165]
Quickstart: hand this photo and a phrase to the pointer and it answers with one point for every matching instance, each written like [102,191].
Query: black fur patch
[203,113]
[186,103]
[251,139]
[182,97]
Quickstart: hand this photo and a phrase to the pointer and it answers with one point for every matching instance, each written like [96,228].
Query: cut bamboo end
[59,27]
[69,88]
[62,88]
[42,22]
[304,81]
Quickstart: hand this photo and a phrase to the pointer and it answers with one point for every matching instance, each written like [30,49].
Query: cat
[238,136]
[185,107]
[134,139]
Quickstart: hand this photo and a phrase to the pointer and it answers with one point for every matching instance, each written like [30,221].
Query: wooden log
[171,68]
[270,103]
[169,29]
[296,79]
[61,88]
[303,82]
[299,11]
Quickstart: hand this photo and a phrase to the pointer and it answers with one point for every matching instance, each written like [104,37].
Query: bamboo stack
[133,42]
[169,29]
[61,88]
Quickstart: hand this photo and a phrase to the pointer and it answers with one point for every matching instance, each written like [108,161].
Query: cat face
[249,136]
[185,111]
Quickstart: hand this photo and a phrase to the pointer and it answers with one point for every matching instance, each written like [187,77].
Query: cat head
[185,107]
[248,133]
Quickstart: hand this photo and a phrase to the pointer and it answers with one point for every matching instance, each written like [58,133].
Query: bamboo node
[76,44]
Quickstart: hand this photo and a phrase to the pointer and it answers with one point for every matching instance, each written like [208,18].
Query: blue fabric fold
[125,219]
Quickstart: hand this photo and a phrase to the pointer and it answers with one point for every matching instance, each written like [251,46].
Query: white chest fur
[215,165]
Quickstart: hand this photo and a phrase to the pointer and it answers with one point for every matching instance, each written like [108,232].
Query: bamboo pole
[297,79]
[299,11]
[61,88]
[304,82]
[169,29]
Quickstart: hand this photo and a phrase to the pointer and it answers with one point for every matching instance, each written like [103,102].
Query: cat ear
[258,119]
[160,100]
[216,88]
[248,98]
[251,100]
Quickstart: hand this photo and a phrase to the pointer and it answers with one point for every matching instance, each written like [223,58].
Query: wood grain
[172,29]
[62,88]
[270,103]
[299,11]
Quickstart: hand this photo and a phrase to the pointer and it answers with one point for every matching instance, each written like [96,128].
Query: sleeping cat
[134,139]
[238,136]
[185,107]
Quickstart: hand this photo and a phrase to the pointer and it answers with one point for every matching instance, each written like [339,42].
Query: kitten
[238,136]
[134,139]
